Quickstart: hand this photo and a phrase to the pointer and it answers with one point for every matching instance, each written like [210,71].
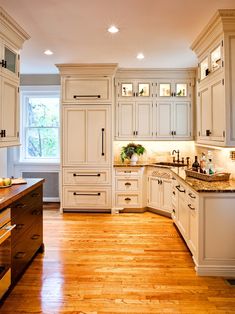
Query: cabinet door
[10,59]
[154,195]
[126,120]
[164,118]
[143,120]
[74,135]
[166,194]
[182,119]
[86,90]
[218,110]
[98,136]
[183,214]
[9,112]
[205,122]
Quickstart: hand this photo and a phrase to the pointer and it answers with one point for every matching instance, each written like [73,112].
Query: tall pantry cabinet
[86,150]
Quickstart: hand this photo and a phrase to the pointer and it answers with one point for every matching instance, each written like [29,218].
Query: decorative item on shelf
[131,152]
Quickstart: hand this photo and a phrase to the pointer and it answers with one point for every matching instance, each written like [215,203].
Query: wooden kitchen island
[25,201]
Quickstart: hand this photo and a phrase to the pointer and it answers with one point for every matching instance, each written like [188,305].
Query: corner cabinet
[154,109]
[12,37]
[215,49]
[87,105]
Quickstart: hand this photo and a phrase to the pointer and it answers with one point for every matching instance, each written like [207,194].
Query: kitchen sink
[169,164]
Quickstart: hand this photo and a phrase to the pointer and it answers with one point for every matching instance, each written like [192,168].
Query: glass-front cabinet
[211,63]
[9,60]
[173,88]
[134,88]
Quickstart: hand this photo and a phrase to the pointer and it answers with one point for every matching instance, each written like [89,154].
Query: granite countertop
[196,184]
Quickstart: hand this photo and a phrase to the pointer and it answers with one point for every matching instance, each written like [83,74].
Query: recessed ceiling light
[140,56]
[113,29]
[48,52]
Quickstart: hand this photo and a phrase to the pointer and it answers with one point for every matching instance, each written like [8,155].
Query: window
[40,125]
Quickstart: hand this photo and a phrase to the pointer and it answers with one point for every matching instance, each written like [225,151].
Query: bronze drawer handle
[127,171]
[35,194]
[84,194]
[35,236]
[127,183]
[192,208]
[19,226]
[20,255]
[86,175]
[36,212]
[178,188]
[191,195]
[86,96]
[20,205]
[127,199]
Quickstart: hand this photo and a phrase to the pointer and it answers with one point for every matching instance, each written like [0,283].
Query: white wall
[3,162]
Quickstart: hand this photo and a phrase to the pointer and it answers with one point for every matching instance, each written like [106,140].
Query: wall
[3,162]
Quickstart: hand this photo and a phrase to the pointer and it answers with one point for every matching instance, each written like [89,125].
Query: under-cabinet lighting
[113,29]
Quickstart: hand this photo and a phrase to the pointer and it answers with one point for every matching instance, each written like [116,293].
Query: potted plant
[131,152]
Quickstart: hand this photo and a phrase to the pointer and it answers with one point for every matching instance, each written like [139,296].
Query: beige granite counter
[198,185]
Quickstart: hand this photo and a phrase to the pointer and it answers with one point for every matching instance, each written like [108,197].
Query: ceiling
[76,31]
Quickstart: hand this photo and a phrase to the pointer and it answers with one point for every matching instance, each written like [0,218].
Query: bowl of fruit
[5,182]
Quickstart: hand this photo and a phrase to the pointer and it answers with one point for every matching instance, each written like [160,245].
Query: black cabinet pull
[86,175]
[208,132]
[173,192]
[3,63]
[136,132]
[127,199]
[178,188]
[3,133]
[84,194]
[192,208]
[35,237]
[173,211]
[36,212]
[20,205]
[102,130]
[19,226]
[174,132]
[35,194]
[191,195]
[86,96]
[20,255]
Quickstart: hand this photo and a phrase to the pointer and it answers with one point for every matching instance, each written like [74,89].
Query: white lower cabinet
[159,187]
[129,188]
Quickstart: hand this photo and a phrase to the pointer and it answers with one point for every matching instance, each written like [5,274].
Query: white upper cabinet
[148,109]
[215,49]
[12,37]
[87,89]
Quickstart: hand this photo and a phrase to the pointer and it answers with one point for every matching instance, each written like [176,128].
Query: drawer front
[23,252]
[128,200]
[80,197]
[129,171]
[31,201]
[123,184]
[157,172]
[76,90]
[86,176]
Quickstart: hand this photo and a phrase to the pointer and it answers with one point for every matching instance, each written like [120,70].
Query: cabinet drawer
[83,90]
[123,184]
[23,252]
[128,200]
[86,176]
[129,171]
[80,197]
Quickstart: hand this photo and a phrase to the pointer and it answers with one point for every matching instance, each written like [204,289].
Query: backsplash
[157,150]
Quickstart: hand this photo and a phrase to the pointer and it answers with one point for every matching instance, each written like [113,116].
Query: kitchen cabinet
[216,71]
[159,187]
[86,150]
[172,120]
[174,89]
[134,120]
[86,135]
[12,37]
[9,112]
[150,108]
[129,187]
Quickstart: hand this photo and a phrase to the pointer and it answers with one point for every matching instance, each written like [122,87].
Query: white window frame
[35,91]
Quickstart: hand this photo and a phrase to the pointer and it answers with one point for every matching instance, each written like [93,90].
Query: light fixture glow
[113,29]
[48,52]
[140,56]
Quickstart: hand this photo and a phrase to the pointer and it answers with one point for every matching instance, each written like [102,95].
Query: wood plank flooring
[126,263]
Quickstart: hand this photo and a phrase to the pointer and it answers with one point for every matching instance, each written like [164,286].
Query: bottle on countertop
[195,165]
[203,163]
[209,163]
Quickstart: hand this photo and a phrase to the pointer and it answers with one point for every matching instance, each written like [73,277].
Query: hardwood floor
[127,263]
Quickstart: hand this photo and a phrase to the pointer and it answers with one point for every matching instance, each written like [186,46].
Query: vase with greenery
[128,151]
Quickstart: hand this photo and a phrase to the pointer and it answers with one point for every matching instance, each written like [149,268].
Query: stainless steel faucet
[178,154]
